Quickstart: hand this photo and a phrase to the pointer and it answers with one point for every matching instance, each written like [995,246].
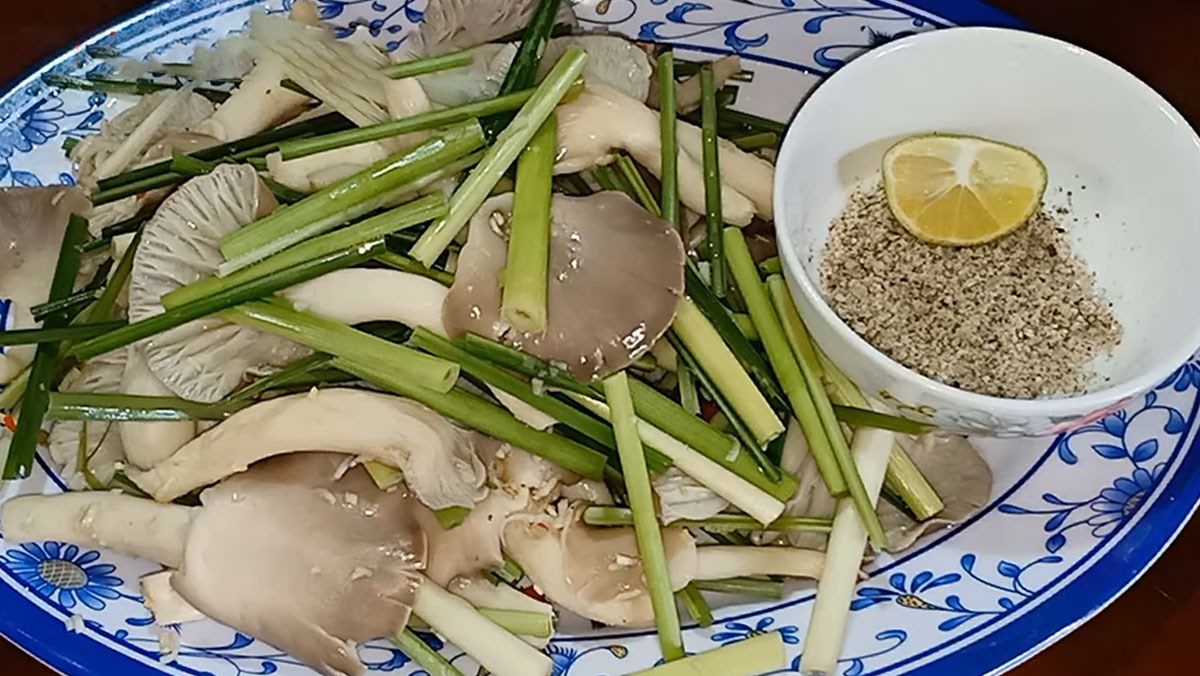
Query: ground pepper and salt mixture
[1018,317]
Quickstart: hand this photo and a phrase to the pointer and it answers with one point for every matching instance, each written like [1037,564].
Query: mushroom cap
[615,280]
[450,25]
[206,359]
[473,548]
[595,572]
[32,224]
[148,443]
[613,61]
[307,559]
[961,477]
[104,445]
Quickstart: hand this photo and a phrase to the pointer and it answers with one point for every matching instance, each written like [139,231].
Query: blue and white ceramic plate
[1074,520]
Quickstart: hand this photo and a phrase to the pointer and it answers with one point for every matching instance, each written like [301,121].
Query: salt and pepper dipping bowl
[1120,157]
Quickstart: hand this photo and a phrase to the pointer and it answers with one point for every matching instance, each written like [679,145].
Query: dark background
[1149,630]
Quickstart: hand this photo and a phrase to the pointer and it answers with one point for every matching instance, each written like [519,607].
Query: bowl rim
[1076,405]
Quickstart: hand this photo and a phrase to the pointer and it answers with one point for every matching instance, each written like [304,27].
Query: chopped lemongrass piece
[620,516]
[510,573]
[744,586]
[637,183]
[759,655]
[793,326]
[720,562]
[423,654]
[843,559]
[727,374]
[509,144]
[609,179]
[645,520]
[521,622]
[450,518]
[714,220]
[338,339]
[384,476]
[494,648]
[406,264]
[57,334]
[689,398]
[771,266]
[738,491]
[784,363]
[476,413]
[696,606]
[757,141]
[670,149]
[526,364]
[862,417]
[522,72]
[746,325]
[223,300]
[526,274]
[406,216]
[429,64]
[290,375]
[130,407]
[24,442]
[328,208]
[497,377]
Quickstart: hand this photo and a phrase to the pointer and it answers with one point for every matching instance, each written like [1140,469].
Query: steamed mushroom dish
[484,337]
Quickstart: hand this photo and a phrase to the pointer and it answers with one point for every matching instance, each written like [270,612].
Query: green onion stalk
[621,516]
[743,586]
[696,606]
[522,73]
[670,148]
[526,282]
[645,520]
[45,361]
[406,264]
[424,654]
[714,215]
[57,334]
[328,208]
[429,64]
[637,183]
[509,144]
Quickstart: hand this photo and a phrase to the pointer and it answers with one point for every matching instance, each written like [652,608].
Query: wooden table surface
[1149,630]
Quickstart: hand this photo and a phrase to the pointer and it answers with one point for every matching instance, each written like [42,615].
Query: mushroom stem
[130,525]
[164,603]
[496,650]
[721,562]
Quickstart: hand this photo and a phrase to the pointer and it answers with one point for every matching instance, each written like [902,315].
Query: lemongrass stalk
[718,562]
[338,339]
[696,606]
[620,516]
[413,213]
[637,183]
[510,572]
[714,220]
[384,476]
[689,398]
[843,559]
[611,179]
[287,376]
[793,326]
[521,622]
[738,491]
[494,648]
[862,417]
[743,586]
[11,395]
[429,64]
[523,303]
[328,208]
[476,413]
[509,144]
[450,518]
[523,363]
[759,655]
[756,141]
[645,520]
[24,442]
[784,363]
[59,334]
[423,654]
[746,325]
[771,266]
[670,148]
[406,264]
[222,300]
[714,357]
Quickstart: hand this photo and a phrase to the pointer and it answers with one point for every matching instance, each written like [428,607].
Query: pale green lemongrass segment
[714,212]
[597,515]
[526,272]
[509,144]
[667,132]
[743,586]
[424,654]
[696,606]
[759,655]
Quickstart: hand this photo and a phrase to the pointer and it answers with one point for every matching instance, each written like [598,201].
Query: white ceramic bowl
[1118,154]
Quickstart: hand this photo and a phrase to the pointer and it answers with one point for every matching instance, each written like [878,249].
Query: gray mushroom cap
[450,25]
[32,223]
[308,560]
[615,280]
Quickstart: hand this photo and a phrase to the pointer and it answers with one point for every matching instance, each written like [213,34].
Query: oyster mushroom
[437,458]
[602,120]
[206,359]
[472,548]
[32,224]
[451,25]
[616,277]
[103,448]
[682,497]
[359,295]
[148,443]
[259,103]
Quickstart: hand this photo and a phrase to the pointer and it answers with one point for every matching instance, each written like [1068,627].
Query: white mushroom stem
[164,603]
[827,631]
[358,295]
[148,443]
[259,103]
[140,138]
[315,172]
[496,650]
[722,563]
[130,525]
[739,492]
[405,98]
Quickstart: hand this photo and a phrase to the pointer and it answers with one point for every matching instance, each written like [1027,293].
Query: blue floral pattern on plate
[1063,508]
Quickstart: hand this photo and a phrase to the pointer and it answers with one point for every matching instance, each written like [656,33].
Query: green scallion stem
[727,374]
[641,191]
[743,586]
[509,144]
[696,606]
[58,334]
[645,520]
[424,655]
[336,204]
[523,363]
[621,516]
[771,266]
[135,87]
[714,216]
[610,179]
[371,229]
[223,300]
[45,361]
[284,194]
[759,655]
[689,398]
[756,141]
[338,339]
[784,363]
[163,180]
[862,417]
[526,272]
[670,148]
[64,305]
[294,374]
[429,64]
[746,325]
[125,227]
[406,264]
[476,413]
[131,407]
[522,74]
